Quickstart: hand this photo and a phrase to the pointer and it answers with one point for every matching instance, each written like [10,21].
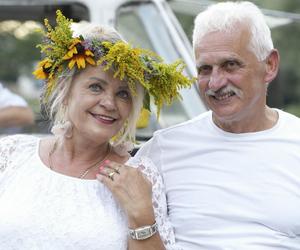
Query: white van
[145,23]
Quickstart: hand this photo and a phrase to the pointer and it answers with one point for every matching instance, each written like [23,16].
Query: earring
[124,148]
[126,145]
[121,133]
[63,129]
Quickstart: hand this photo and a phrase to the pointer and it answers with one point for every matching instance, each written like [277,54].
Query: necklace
[87,170]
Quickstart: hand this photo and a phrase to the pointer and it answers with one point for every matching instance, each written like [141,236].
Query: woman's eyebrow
[98,79]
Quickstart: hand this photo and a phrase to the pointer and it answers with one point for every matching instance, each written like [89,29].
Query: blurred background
[161,25]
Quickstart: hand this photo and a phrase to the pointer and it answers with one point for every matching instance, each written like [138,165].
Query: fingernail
[99,177]
[106,161]
[101,167]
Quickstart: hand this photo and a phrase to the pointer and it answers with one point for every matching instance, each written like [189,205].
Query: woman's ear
[272,66]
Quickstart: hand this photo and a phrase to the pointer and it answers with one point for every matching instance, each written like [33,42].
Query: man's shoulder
[289,118]
[184,125]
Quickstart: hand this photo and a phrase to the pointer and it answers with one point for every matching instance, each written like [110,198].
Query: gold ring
[111,175]
[117,170]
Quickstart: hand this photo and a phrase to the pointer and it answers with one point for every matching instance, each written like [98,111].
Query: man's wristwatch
[142,233]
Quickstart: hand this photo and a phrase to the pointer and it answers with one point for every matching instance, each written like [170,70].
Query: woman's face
[98,104]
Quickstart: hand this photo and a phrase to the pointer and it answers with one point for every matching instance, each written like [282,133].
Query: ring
[111,175]
[117,170]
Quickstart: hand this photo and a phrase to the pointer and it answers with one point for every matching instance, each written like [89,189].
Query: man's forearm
[16,117]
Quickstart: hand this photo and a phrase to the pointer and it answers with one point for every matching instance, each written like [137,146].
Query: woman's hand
[131,189]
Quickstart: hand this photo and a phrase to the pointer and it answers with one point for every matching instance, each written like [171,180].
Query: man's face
[230,77]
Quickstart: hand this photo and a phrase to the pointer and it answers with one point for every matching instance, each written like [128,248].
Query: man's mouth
[224,93]
[223,96]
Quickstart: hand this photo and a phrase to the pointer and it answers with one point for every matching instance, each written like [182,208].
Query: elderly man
[232,175]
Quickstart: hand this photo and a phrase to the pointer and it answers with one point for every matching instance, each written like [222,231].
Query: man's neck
[266,120]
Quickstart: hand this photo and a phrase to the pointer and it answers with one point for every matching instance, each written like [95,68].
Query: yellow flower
[72,49]
[44,67]
[79,55]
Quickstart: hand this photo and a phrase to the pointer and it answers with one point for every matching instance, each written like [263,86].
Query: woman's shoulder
[15,145]
[19,140]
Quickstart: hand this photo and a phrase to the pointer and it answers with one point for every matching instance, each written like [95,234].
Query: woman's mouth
[104,118]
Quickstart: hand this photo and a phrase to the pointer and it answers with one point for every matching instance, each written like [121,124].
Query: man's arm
[14,116]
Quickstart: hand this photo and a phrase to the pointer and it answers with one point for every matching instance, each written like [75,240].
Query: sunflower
[43,70]
[79,55]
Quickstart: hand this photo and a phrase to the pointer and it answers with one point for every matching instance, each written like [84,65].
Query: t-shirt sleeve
[152,150]
[158,200]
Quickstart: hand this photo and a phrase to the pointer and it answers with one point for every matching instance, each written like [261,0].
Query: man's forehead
[218,47]
[239,36]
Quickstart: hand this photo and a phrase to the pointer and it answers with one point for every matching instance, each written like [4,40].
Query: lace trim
[158,199]
[11,145]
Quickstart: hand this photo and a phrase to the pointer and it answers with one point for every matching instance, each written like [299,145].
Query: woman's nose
[108,102]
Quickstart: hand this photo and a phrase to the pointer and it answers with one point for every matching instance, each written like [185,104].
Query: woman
[75,190]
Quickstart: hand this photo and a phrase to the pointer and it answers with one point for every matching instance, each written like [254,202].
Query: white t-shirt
[7,98]
[230,191]
[44,210]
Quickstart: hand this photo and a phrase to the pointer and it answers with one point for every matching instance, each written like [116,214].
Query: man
[14,111]
[232,175]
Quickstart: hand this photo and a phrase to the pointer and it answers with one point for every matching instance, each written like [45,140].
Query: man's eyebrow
[200,64]
[220,61]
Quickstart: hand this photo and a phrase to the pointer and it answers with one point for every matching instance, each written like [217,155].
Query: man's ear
[272,66]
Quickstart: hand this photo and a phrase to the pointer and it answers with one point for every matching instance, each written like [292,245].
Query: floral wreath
[63,51]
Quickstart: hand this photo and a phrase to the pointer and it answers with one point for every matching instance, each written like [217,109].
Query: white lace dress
[41,209]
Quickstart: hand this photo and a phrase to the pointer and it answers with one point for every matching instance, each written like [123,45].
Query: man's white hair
[225,16]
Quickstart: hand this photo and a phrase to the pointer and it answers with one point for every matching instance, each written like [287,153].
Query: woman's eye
[124,94]
[95,87]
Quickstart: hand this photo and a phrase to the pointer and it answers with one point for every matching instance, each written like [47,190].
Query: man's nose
[108,102]
[217,79]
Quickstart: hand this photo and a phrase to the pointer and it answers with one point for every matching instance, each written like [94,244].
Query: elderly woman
[79,189]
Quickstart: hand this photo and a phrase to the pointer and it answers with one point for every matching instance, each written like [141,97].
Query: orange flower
[79,55]
[42,72]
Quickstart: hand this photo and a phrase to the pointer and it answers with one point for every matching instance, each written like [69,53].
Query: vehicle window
[143,26]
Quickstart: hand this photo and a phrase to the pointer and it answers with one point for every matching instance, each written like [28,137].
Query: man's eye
[204,70]
[124,94]
[231,65]
[95,87]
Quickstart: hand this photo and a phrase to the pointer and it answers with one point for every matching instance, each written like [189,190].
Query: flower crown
[63,51]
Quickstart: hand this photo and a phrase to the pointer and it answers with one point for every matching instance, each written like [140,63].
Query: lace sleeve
[7,147]
[158,199]
[11,146]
